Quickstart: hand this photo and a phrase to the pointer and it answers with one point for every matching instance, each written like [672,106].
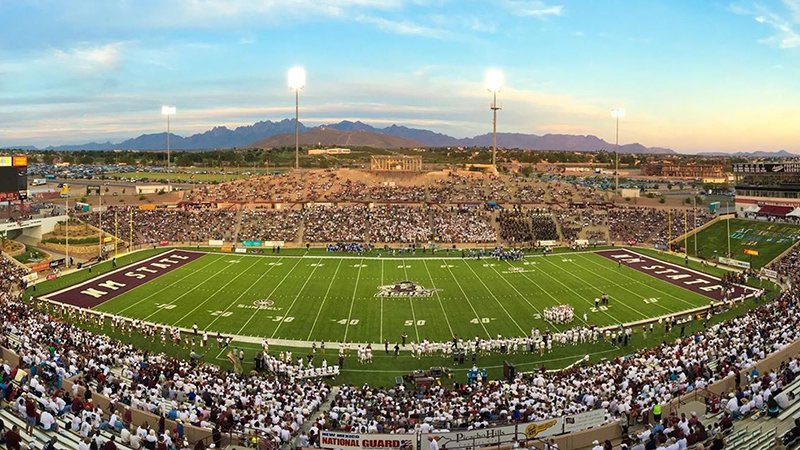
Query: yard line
[272,266]
[190,273]
[524,297]
[323,300]
[559,302]
[381,302]
[352,301]
[644,284]
[172,302]
[411,302]
[271,292]
[436,291]
[215,293]
[467,298]
[577,293]
[524,333]
[319,263]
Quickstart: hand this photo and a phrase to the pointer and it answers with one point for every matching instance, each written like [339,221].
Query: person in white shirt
[434,443]
[48,421]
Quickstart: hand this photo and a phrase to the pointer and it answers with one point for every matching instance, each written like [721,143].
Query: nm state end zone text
[335,299]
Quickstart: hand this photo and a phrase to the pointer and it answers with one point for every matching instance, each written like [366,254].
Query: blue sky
[692,75]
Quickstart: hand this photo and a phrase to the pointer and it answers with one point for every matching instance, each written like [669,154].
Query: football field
[767,238]
[336,298]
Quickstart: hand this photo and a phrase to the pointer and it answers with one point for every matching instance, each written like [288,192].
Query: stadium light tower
[617,114]
[494,81]
[168,111]
[297,81]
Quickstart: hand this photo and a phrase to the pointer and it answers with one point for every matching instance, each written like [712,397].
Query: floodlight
[168,110]
[494,80]
[618,113]
[297,78]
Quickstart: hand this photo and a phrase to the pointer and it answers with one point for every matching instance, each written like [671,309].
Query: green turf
[333,299]
[769,239]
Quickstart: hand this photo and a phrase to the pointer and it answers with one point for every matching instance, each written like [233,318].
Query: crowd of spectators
[336,224]
[639,225]
[456,224]
[270,225]
[151,226]
[628,385]
[396,223]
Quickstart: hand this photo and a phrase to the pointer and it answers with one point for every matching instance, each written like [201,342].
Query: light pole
[494,81]
[297,81]
[168,111]
[617,113]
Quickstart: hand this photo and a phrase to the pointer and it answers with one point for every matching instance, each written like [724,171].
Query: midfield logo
[404,289]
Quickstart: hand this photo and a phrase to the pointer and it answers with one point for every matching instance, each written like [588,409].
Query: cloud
[405,27]
[533,8]
[784,24]
[90,58]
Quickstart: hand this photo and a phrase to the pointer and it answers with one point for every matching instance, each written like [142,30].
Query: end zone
[96,291]
[693,280]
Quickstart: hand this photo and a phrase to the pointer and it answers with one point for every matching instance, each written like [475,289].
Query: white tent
[795,213]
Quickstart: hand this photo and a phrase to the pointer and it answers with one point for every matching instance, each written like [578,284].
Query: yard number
[481,320]
[599,308]
[651,300]
[410,323]
[165,306]
[345,322]
[221,313]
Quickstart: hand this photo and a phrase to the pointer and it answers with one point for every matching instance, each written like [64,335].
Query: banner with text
[499,435]
[734,262]
[358,441]
[584,421]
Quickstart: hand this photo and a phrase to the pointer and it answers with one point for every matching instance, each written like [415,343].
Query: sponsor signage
[19,161]
[767,168]
[57,262]
[547,243]
[30,277]
[751,252]
[250,243]
[216,242]
[5,161]
[52,276]
[734,262]
[584,421]
[499,435]
[358,441]
[769,273]
[240,250]
[273,243]
[162,243]
[147,207]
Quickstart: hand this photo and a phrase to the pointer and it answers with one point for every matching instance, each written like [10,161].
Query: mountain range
[269,134]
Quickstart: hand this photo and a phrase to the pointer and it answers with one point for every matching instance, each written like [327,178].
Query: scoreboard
[13,178]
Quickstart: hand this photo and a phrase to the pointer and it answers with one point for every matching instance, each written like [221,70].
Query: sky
[692,75]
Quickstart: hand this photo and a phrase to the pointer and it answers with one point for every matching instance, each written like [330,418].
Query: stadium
[378,276]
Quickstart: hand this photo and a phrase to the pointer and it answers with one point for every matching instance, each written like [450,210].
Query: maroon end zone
[699,282]
[91,293]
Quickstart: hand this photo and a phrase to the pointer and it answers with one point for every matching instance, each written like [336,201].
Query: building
[670,170]
[329,151]
[762,184]
[396,163]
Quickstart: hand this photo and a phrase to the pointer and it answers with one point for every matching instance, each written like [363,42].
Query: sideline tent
[775,210]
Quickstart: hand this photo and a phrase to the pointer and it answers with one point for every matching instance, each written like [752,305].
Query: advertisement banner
[147,207]
[546,243]
[57,262]
[499,435]
[358,441]
[162,243]
[5,161]
[584,421]
[769,273]
[240,250]
[51,277]
[273,243]
[20,161]
[216,242]
[31,277]
[751,252]
[734,262]
[250,243]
